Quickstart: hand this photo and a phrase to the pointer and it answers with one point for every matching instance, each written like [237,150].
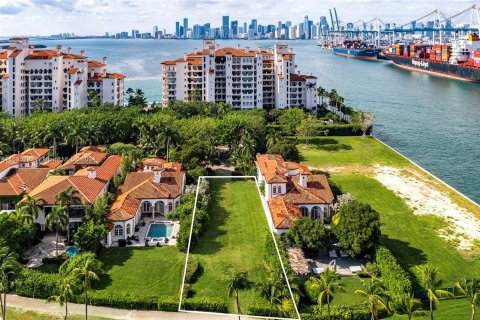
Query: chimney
[303,180]
[69,50]
[82,52]
[247,49]
[92,173]
[104,72]
[59,47]
[105,60]
[195,50]
[290,50]
[218,46]
[185,56]
[238,45]
[259,49]
[157,175]
[30,49]
[92,74]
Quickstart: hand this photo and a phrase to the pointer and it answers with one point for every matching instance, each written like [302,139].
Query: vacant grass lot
[233,241]
[347,151]
[412,239]
[446,310]
[142,271]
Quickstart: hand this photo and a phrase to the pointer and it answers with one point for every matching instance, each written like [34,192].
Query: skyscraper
[254,26]
[225,26]
[177,29]
[234,27]
[185,27]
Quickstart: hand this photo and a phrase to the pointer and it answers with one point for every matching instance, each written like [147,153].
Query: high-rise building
[244,78]
[177,29]
[61,80]
[234,27]
[254,27]
[225,27]
[155,32]
[185,27]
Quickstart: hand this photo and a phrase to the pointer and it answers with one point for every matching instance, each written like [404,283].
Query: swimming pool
[160,230]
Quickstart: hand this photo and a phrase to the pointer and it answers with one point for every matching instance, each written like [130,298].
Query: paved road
[43,307]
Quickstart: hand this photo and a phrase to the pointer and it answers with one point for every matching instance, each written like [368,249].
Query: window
[118,230]
[282,236]
[170,206]
[304,211]
[315,213]
[128,229]
[274,190]
[147,207]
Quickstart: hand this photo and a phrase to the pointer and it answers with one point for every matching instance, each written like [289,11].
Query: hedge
[312,290]
[343,129]
[355,312]
[192,267]
[263,311]
[393,276]
[206,304]
[36,284]
[168,303]
[122,300]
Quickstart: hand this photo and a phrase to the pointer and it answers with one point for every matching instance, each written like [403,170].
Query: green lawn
[17,314]
[143,271]
[347,151]
[233,241]
[456,309]
[412,239]
[350,284]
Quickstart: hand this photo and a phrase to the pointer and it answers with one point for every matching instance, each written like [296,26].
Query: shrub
[287,149]
[343,129]
[192,267]
[122,300]
[206,304]
[357,312]
[36,284]
[168,303]
[309,235]
[122,243]
[263,310]
[312,290]
[392,274]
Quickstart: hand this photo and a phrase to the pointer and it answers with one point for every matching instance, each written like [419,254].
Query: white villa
[292,191]
[148,194]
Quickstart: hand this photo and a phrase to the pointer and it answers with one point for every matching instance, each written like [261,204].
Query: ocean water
[431,120]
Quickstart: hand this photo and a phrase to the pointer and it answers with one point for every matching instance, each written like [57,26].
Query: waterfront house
[292,191]
[21,173]
[86,157]
[243,77]
[87,185]
[155,189]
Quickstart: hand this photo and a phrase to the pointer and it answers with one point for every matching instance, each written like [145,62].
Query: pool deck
[142,233]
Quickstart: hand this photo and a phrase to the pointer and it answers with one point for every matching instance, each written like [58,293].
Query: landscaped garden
[234,241]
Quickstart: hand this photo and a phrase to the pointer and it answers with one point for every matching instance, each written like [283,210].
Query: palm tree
[428,278]
[66,198]
[471,290]
[31,206]
[22,217]
[272,290]
[322,93]
[409,305]
[57,220]
[89,270]
[8,269]
[374,291]
[66,291]
[238,281]
[53,133]
[329,282]
[273,138]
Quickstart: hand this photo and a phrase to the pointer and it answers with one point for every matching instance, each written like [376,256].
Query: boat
[357,50]
[458,60]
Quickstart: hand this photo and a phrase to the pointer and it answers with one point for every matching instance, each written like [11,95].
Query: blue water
[431,120]
[160,230]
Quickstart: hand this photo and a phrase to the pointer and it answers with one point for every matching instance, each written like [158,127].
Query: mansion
[292,191]
[243,77]
[62,80]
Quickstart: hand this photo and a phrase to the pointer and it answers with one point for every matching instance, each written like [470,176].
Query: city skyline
[30,17]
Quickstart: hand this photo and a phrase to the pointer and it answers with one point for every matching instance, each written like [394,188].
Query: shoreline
[429,173]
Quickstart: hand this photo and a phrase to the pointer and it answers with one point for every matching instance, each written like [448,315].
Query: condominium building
[53,80]
[245,78]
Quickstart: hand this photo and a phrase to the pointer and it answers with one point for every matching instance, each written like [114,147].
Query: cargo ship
[458,60]
[357,50]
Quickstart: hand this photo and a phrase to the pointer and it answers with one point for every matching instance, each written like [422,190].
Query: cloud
[12,7]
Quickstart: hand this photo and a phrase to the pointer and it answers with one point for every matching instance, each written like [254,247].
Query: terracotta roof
[94,149]
[29,155]
[77,83]
[3,55]
[235,52]
[283,214]
[51,164]
[95,64]
[275,169]
[72,70]
[85,158]
[153,162]
[87,189]
[21,181]
[100,77]
[15,53]
[300,77]
[140,185]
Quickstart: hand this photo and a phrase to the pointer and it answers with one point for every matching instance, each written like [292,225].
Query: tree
[364,120]
[57,220]
[357,228]
[322,93]
[308,128]
[287,149]
[291,119]
[272,290]
[273,138]
[428,278]
[329,283]
[238,281]
[30,206]
[93,98]
[309,235]
[374,291]
[9,267]
[66,291]
[409,305]
[87,269]
[40,105]
[471,290]
[89,236]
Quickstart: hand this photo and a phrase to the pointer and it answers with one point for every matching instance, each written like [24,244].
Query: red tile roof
[283,214]
[95,64]
[21,181]
[275,169]
[85,158]
[29,155]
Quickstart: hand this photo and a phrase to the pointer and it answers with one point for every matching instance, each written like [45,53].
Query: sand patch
[463,226]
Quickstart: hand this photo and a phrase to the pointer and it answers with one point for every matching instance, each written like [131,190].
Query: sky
[88,17]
